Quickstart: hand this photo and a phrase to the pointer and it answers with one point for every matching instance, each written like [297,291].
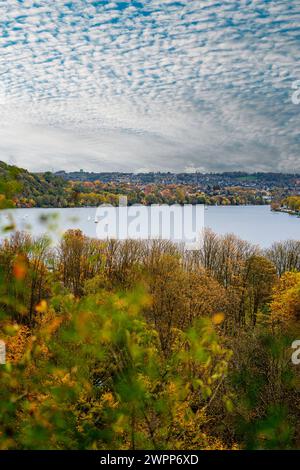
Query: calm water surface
[257,224]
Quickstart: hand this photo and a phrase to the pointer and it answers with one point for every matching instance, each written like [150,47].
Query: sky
[150,85]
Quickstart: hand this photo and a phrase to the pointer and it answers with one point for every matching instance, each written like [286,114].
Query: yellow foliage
[41,307]
[16,344]
[285,306]
[218,318]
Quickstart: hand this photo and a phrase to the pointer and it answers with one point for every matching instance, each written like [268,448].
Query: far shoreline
[144,205]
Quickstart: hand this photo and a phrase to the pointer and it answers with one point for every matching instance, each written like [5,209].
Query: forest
[143,345]
[51,190]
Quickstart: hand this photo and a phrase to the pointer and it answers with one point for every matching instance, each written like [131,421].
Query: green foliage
[129,345]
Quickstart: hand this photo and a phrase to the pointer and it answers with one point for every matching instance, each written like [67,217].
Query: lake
[256,224]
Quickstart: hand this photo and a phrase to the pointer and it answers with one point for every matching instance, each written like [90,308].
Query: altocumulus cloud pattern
[148,85]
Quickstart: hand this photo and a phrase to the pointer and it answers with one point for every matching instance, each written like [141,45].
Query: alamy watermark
[296,94]
[177,223]
[296,353]
[2,352]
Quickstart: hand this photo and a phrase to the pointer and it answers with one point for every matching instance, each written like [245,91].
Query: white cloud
[172,85]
